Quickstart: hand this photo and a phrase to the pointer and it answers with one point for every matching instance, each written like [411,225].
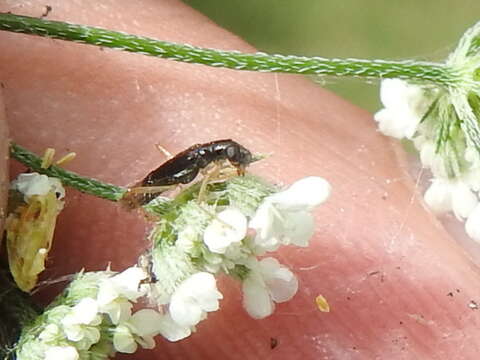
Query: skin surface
[398,285]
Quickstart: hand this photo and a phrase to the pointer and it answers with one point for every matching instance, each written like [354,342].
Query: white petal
[472,178]
[146,342]
[299,228]
[61,353]
[145,322]
[472,155]
[281,282]
[428,154]
[256,299]
[74,332]
[91,335]
[118,310]
[185,312]
[229,227]
[106,292]
[50,333]
[263,221]
[438,196]
[392,93]
[123,340]
[171,330]
[304,194]
[85,311]
[463,200]
[127,282]
[390,123]
[202,287]
[472,225]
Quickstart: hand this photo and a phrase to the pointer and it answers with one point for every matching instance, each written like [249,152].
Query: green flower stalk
[408,70]
[69,178]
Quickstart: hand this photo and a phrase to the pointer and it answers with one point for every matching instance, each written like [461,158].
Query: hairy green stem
[81,183]
[408,70]
[16,311]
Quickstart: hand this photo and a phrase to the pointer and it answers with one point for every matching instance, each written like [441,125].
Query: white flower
[193,298]
[35,184]
[80,325]
[229,226]
[116,293]
[61,353]
[50,333]
[405,104]
[140,328]
[451,195]
[284,217]
[267,282]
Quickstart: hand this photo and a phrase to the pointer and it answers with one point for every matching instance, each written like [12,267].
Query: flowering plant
[193,241]
[218,253]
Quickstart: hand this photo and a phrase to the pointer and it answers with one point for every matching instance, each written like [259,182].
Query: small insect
[185,166]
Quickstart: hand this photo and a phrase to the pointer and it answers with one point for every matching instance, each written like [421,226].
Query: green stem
[408,70]
[83,184]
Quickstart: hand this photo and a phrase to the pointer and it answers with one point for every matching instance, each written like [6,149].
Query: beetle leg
[209,173]
[141,195]
[164,151]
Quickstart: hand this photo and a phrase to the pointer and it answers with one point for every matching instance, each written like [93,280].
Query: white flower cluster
[444,124]
[93,319]
[226,239]
[101,313]
[453,161]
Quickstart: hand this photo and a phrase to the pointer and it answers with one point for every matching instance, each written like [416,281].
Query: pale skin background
[399,286]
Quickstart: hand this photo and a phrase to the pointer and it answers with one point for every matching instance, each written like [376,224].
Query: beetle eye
[231,152]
